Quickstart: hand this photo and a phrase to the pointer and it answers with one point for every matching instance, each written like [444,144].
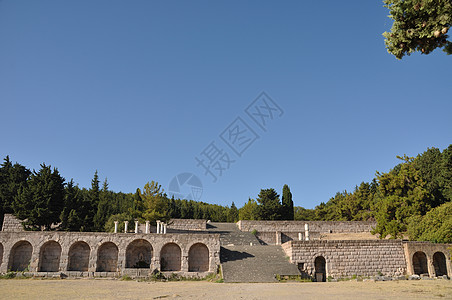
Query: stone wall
[314,226]
[105,254]
[187,224]
[348,258]
[428,258]
[11,224]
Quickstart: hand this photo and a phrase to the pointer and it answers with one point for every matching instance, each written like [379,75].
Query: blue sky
[138,89]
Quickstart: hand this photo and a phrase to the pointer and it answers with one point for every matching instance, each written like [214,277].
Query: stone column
[306,231]
[147,226]
[278,238]
[300,236]
[164,228]
[158,226]
[136,226]
[116,226]
[126,224]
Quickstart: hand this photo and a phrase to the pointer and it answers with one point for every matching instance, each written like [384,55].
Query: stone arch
[198,258]
[49,257]
[107,257]
[320,269]
[20,256]
[1,253]
[420,263]
[170,257]
[139,254]
[439,262]
[78,257]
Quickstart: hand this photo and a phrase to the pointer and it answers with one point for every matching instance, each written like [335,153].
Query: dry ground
[114,289]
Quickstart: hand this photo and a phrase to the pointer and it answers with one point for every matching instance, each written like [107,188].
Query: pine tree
[287,204]
[269,207]
[233,213]
[41,201]
[104,207]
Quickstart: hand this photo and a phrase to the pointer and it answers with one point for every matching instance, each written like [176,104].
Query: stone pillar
[278,238]
[430,267]
[164,228]
[126,224]
[116,226]
[300,236]
[147,226]
[136,226]
[158,226]
[306,231]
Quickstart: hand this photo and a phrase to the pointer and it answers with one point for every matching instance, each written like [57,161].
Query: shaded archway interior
[320,269]
[198,258]
[20,256]
[439,263]
[420,263]
[170,257]
[79,257]
[107,258]
[139,254]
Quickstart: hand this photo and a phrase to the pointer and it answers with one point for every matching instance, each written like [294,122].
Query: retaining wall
[105,254]
[348,258]
[314,226]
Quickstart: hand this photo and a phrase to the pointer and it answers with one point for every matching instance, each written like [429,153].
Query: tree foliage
[269,207]
[419,25]
[287,212]
[41,200]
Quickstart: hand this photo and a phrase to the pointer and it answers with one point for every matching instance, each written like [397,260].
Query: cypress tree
[287,204]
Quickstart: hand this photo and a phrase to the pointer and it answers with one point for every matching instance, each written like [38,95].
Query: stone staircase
[244,259]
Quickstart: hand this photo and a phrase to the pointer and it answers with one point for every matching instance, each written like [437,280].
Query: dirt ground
[114,289]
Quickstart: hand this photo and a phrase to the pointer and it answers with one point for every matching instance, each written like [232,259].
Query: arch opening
[20,256]
[1,254]
[439,262]
[320,269]
[170,257]
[49,257]
[198,258]
[79,257]
[420,263]
[107,257]
[139,254]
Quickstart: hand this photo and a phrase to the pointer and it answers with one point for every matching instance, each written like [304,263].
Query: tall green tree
[104,207]
[41,200]
[287,211]
[233,213]
[249,210]
[269,207]
[401,195]
[73,214]
[156,204]
[418,26]
[12,177]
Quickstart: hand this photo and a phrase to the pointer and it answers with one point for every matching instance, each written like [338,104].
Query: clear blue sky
[138,89]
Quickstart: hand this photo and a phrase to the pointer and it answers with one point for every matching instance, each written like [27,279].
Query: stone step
[231,235]
[256,263]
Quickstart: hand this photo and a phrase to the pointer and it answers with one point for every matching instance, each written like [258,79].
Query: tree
[249,210]
[41,201]
[73,213]
[156,205]
[104,207]
[233,213]
[418,26]
[269,207]
[287,204]
[12,177]
[401,195]
[435,226]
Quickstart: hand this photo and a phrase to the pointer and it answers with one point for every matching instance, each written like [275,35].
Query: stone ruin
[189,248]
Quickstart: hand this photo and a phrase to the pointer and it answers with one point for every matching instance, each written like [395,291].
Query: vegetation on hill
[413,198]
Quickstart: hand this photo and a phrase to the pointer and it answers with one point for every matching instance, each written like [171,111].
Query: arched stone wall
[320,269]
[139,254]
[78,258]
[198,258]
[439,263]
[107,258]
[420,265]
[49,257]
[170,257]
[20,256]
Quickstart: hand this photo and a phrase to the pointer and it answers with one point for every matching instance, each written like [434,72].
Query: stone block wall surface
[314,226]
[348,258]
[187,224]
[33,251]
[11,224]
[429,250]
